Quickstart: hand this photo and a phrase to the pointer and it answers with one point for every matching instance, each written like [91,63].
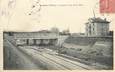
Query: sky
[15,15]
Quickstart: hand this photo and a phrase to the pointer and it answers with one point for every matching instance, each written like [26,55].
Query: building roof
[44,31]
[98,20]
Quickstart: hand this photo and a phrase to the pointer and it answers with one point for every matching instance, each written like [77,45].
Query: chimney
[105,19]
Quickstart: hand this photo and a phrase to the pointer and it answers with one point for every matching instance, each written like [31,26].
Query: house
[97,27]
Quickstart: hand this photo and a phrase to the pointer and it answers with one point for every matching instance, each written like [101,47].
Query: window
[93,24]
[93,29]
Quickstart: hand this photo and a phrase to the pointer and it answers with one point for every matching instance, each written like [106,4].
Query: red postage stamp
[107,6]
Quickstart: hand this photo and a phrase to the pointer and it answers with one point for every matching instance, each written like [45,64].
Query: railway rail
[54,58]
[51,61]
[62,58]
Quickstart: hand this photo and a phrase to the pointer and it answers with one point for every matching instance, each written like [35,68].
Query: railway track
[72,62]
[49,63]
[57,62]
[55,58]
[67,60]
[50,59]
[36,61]
[62,63]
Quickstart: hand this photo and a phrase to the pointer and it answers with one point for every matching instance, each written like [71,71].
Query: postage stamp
[107,6]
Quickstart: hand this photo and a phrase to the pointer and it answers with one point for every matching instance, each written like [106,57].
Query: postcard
[47,35]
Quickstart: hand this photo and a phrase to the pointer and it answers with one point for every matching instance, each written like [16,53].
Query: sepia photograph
[52,49]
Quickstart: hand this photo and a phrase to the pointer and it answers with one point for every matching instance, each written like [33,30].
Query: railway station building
[97,27]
